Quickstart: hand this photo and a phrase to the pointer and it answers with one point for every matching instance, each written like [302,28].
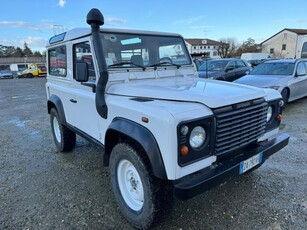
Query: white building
[287,43]
[203,47]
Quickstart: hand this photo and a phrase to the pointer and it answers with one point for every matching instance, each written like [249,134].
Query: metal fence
[13,60]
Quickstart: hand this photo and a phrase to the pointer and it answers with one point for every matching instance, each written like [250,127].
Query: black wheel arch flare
[141,135]
[55,102]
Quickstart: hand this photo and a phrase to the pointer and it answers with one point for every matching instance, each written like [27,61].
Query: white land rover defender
[165,132]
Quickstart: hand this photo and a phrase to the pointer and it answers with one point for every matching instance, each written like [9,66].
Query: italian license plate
[250,163]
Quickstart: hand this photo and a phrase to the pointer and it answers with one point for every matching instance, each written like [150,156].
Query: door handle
[73,100]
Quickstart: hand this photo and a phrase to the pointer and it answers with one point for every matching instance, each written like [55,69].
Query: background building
[203,47]
[287,43]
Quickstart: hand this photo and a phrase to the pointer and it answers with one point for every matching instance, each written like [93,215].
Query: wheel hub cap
[130,185]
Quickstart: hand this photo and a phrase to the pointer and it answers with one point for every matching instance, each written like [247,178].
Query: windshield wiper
[164,63]
[127,63]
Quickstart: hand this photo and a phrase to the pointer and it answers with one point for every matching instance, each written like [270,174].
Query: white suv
[165,132]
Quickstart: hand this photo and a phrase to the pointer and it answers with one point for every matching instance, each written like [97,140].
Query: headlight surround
[197,137]
[274,112]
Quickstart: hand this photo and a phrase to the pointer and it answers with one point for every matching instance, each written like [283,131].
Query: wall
[287,38]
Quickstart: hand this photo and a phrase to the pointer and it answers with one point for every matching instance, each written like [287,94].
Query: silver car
[5,74]
[288,76]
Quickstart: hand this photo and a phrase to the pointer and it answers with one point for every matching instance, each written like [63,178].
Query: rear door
[230,71]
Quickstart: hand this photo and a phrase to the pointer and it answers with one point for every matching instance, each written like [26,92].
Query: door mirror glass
[81,72]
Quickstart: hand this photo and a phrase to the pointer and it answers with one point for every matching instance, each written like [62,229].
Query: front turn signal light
[184,150]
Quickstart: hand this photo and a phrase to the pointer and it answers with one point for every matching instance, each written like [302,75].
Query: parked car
[228,69]
[35,70]
[6,74]
[198,62]
[288,76]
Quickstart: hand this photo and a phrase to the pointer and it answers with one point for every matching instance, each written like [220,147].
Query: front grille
[238,125]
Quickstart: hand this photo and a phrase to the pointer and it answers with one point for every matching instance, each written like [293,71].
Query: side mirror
[82,72]
[229,68]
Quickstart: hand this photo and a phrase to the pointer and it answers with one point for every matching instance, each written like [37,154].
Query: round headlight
[269,113]
[197,137]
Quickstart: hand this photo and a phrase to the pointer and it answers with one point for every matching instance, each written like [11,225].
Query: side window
[57,61]
[301,70]
[304,50]
[82,53]
[240,64]
[231,65]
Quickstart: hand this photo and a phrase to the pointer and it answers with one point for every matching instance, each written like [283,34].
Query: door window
[231,65]
[301,70]
[82,53]
[304,51]
[240,64]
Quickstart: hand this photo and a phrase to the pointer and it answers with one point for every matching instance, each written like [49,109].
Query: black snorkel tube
[95,20]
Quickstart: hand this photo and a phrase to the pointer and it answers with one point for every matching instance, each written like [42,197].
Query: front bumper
[222,171]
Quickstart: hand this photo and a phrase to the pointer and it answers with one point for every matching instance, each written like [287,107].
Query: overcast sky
[35,21]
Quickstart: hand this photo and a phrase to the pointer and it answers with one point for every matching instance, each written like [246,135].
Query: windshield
[136,51]
[213,65]
[280,68]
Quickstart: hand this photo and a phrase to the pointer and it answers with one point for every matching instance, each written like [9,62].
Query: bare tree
[227,48]
[222,49]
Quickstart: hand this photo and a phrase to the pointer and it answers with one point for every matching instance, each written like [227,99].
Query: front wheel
[285,95]
[142,198]
[64,138]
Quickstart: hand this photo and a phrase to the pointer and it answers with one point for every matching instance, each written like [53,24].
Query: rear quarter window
[57,61]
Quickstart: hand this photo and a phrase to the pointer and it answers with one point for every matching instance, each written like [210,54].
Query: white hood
[212,93]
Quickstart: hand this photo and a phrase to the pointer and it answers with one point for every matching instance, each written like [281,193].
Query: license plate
[250,163]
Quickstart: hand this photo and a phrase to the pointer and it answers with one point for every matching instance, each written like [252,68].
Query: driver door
[85,116]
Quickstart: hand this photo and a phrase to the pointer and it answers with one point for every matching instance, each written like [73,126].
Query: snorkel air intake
[95,19]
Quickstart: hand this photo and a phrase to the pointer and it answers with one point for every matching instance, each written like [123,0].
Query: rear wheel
[64,138]
[29,75]
[142,198]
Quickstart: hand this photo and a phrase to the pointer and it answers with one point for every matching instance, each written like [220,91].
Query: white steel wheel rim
[56,129]
[130,185]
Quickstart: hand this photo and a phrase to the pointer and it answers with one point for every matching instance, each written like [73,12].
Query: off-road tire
[157,194]
[64,138]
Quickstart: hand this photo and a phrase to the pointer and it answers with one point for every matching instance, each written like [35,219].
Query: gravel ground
[41,188]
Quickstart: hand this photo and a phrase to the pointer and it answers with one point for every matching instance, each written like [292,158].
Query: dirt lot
[41,188]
